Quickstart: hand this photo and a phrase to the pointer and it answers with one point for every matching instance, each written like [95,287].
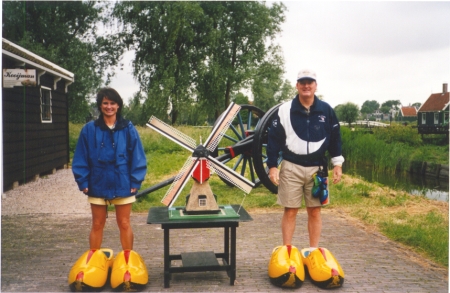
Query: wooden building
[432,116]
[407,114]
[34,115]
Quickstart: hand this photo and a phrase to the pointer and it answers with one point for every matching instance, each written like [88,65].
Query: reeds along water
[388,151]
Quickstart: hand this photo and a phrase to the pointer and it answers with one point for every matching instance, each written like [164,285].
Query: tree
[196,52]
[165,36]
[64,32]
[240,99]
[268,87]
[392,104]
[369,107]
[237,36]
[385,109]
[347,112]
[417,105]
[134,110]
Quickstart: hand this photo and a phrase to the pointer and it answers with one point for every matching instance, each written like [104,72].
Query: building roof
[21,54]
[436,102]
[408,111]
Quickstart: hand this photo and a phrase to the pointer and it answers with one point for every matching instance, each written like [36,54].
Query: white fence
[366,123]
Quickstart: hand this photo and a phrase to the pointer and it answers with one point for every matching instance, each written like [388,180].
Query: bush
[398,133]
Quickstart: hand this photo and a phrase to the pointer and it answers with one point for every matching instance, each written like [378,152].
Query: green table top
[160,215]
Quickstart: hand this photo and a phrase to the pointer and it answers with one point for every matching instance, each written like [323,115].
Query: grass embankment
[415,221]
[393,148]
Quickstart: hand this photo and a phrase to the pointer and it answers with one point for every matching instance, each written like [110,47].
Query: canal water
[432,188]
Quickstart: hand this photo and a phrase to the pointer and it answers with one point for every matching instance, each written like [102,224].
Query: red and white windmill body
[200,164]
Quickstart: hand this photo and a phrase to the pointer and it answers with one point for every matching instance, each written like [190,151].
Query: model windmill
[201,198]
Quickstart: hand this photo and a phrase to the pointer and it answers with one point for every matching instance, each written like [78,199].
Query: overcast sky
[360,50]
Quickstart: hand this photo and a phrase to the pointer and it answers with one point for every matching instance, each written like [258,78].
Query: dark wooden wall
[31,147]
[429,127]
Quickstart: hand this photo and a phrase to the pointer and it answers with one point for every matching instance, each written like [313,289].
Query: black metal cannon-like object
[248,149]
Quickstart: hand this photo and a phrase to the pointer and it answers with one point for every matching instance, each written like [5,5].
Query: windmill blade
[222,126]
[172,133]
[230,175]
[180,181]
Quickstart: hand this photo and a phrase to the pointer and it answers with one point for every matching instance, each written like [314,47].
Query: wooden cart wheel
[241,130]
[259,149]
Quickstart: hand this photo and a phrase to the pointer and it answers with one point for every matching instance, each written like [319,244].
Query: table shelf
[205,260]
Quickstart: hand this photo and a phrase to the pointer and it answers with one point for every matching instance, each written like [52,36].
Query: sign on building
[19,77]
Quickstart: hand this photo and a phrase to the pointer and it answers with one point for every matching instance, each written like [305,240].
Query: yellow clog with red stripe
[323,268]
[286,267]
[90,271]
[129,272]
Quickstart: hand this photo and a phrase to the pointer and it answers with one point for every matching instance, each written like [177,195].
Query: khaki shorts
[116,201]
[296,182]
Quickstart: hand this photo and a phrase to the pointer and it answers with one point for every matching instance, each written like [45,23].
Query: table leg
[167,261]
[226,244]
[233,256]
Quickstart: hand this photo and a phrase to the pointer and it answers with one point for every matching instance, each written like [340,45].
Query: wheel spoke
[236,165]
[244,166]
[230,138]
[242,162]
[236,132]
[252,171]
[241,125]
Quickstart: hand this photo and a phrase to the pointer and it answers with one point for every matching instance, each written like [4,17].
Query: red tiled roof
[436,102]
[409,111]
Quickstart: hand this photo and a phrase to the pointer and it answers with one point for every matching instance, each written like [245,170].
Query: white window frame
[424,118]
[202,201]
[436,118]
[49,116]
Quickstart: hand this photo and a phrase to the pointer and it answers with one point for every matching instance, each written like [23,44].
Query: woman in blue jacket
[109,166]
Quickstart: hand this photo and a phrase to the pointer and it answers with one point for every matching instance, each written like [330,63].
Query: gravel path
[52,194]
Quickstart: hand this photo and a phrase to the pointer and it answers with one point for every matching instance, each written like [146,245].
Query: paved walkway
[37,251]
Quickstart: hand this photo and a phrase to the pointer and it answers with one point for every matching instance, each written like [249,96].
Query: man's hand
[274,175]
[337,174]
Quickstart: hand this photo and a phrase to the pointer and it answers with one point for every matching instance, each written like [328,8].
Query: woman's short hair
[112,95]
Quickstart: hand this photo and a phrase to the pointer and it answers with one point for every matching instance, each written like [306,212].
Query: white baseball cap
[306,74]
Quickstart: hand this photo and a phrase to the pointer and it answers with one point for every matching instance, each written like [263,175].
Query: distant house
[432,116]
[407,114]
[35,124]
[378,115]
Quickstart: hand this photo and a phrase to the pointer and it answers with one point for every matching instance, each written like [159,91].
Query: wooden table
[199,261]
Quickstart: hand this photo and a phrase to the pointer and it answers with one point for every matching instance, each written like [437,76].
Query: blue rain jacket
[109,161]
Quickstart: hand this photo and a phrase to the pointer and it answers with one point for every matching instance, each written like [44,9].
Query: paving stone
[38,250]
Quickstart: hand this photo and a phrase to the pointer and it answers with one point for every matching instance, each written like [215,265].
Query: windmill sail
[180,181]
[172,133]
[193,162]
[222,126]
[230,175]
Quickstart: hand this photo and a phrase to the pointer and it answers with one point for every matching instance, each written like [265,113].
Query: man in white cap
[303,130]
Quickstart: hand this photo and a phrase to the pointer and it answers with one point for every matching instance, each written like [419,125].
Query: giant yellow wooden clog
[286,267]
[90,271]
[323,268]
[129,272]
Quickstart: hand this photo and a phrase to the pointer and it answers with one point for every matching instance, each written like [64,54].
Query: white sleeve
[337,161]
